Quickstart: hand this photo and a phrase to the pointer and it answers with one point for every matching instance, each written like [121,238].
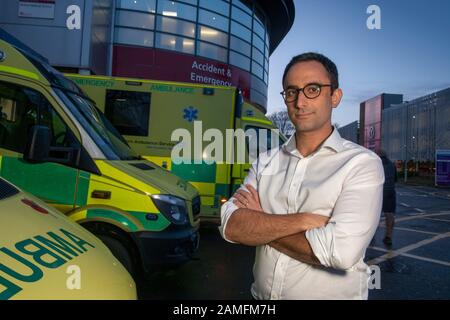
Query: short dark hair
[329,65]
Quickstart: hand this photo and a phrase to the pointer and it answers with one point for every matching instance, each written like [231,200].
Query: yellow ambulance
[148,113]
[45,255]
[56,145]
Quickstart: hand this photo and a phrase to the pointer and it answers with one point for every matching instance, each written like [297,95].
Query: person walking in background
[389,196]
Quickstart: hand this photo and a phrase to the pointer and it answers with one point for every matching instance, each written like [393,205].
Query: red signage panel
[148,63]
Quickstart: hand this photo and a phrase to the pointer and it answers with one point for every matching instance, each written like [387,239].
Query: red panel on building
[165,65]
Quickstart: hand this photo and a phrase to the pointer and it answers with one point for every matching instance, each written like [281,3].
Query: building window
[258,56]
[258,27]
[223,30]
[258,43]
[240,46]
[171,42]
[257,70]
[239,15]
[139,5]
[241,31]
[211,51]
[213,19]
[218,6]
[239,60]
[175,26]
[128,111]
[242,6]
[134,37]
[212,35]
[135,19]
[193,2]
[177,10]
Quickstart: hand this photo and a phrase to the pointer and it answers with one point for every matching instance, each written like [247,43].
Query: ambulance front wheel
[120,251]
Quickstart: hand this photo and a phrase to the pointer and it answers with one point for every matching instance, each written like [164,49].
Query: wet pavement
[219,271]
[417,266]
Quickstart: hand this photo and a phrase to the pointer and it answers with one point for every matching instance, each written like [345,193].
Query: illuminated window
[176,26]
[178,10]
[170,42]
[212,35]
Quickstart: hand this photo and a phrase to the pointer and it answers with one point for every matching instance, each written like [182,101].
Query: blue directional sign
[442,168]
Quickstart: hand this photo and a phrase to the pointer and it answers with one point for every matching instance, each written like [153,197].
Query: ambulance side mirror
[37,148]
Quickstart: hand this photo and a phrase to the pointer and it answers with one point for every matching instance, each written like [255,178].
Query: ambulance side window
[20,109]
[128,111]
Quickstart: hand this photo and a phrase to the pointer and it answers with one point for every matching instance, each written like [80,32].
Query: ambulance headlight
[173,208]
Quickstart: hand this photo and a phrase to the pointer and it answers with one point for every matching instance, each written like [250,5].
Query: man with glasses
[311,207]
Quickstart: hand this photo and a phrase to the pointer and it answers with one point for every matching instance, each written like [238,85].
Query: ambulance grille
[196,207]
[7,190]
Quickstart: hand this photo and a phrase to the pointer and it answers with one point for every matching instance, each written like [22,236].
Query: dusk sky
[409,55]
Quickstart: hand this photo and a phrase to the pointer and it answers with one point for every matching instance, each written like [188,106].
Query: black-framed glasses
[311,91]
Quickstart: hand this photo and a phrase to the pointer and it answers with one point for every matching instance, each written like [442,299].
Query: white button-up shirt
[340,180]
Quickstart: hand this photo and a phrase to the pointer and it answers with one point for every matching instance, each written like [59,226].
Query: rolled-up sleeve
[228,208]
[343,241]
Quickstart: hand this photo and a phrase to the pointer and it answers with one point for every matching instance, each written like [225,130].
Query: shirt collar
[334,142]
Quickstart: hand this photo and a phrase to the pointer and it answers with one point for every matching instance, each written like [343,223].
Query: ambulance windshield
[106,137]
[102,132]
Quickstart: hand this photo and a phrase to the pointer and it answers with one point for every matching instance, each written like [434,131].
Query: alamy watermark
[234,146]
[374,20]
[374,281]
[73,282]
[73,21]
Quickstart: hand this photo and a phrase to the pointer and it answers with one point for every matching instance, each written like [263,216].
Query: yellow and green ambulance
[56,145]
[45,255]
[147,113]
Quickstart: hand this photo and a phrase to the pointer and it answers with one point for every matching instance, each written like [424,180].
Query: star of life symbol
[190,114]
